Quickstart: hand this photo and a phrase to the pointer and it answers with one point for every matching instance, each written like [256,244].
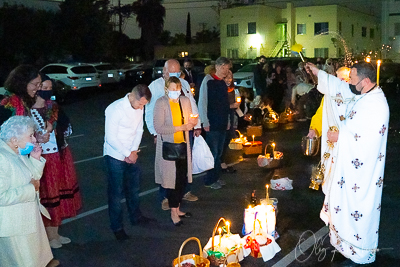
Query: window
[397,29]
[251,28]
[364,31]
[55,69]
[233,53]
[301,28]
[321,28]
[352,30]
[371,33]
[321,52]
[232,30]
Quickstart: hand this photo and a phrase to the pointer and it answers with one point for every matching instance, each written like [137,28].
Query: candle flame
[368,59]
[238,99]
[273,144]
[379,62]
[219,230]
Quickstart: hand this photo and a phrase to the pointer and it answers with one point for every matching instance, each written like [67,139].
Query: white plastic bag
[202,159]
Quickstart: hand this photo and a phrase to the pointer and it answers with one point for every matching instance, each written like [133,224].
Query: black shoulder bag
[174,151]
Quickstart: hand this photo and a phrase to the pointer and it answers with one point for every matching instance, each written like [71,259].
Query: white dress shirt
[123,129]
[157,90]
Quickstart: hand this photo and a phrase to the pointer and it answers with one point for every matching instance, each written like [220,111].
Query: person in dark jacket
[217,114]
[260,76]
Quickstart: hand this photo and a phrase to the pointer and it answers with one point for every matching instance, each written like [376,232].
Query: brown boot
[53,263]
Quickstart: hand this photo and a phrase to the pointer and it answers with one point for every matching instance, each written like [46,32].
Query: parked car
[140,74]
[128,67]
[244,77]
[77,76]
[198,66]
[108,73]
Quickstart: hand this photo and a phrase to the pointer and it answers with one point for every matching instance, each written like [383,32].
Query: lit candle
[192,89]
[377,71]
[228,226]
[194,115]
[273,149]
[219,231]
[238,99]
[253,138]
[267,196]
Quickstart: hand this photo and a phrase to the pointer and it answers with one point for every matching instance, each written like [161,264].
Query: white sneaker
[64,240]
[55,243]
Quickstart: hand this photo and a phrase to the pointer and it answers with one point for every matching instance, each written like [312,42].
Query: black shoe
[143,221]
[229,169]
[121,235]
[186,215]
[177,223]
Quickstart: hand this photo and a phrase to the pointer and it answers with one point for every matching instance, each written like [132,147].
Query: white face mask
[174,74]
[174,94]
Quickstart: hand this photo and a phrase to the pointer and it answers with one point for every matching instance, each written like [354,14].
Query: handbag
[174,151]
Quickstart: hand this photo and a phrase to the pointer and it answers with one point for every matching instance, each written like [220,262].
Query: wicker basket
[237,145]
[213,260]
[275,163]
[254,147]
[253,235]
[198,260]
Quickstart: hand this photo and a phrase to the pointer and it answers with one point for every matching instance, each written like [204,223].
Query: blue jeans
[215,140]
[123,179]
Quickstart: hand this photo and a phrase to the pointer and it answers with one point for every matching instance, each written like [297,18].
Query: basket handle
[215,229]
[226,259]
[183,244]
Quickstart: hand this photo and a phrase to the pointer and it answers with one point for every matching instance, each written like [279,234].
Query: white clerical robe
[353,188]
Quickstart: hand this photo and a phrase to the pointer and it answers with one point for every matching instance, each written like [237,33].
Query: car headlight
[159,71]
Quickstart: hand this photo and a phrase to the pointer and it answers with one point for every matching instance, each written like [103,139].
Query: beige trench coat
[165,172]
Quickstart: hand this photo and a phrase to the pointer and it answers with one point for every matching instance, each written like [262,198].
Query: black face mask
[46,95]
[354,90]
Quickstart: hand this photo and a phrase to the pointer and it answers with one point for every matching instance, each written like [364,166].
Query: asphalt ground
[157,244]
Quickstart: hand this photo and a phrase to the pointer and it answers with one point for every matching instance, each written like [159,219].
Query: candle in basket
[253,138]
[219,231]
[267,195]
[273,149]
[238,99]
[228,226]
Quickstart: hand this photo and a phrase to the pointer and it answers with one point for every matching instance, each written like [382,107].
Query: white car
[108,73]
[75,75]
[244,77]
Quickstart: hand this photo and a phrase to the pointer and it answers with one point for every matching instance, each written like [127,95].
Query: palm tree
[150,17]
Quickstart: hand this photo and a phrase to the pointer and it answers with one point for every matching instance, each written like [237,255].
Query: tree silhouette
[188,30]
[150,17]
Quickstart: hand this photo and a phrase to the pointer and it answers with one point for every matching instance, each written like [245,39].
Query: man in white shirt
[157,88]
[123,134]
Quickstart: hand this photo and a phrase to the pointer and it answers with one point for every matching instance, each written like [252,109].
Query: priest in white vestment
[354,176]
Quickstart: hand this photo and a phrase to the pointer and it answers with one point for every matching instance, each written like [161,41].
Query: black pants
[175,196]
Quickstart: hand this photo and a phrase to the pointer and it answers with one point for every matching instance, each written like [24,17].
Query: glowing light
[254,41]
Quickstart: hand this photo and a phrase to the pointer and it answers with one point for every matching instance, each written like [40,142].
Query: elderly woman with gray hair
[23,239]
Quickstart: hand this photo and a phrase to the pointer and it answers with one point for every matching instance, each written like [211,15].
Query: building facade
[391,30]
[323,31]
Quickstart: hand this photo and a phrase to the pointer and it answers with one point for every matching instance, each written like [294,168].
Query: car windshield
[248,68]
[160,63]
[83,69]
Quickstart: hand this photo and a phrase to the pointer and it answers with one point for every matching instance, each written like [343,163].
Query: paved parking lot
[93,243]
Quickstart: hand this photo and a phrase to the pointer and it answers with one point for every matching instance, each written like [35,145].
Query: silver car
[244,77]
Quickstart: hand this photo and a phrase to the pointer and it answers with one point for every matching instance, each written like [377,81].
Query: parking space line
[90,212]
[98,157]
[289,258]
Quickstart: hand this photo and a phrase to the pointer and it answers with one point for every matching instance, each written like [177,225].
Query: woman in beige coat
[23,240]
[172,122]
